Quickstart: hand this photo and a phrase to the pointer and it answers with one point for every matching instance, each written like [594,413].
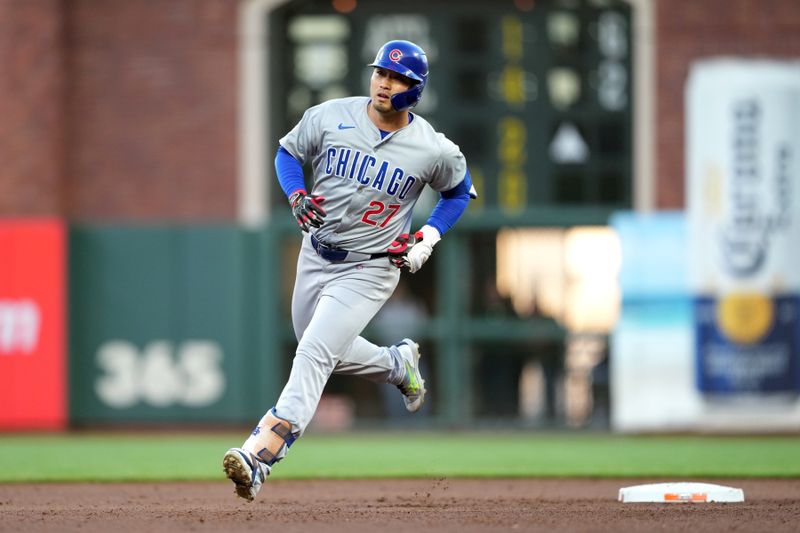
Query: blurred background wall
[116,110]
[32,106]
[686,31]
[143,132]
[84,79]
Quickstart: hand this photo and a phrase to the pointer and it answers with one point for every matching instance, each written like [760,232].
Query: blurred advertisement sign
[160,375]
[163,320]
[652,364]
[654,368]
[32,352]
[743,203]
[19,326]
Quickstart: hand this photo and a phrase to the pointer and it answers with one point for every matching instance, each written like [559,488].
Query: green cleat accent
[413,386]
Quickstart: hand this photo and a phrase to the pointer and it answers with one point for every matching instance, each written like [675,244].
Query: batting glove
[307,210]
[398,252]
[411,251]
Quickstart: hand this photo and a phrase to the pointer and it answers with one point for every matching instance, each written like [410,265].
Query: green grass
[188,456]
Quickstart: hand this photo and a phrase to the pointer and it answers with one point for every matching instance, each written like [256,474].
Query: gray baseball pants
[332,303]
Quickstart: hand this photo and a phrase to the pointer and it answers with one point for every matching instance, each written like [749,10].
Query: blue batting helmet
[408,59]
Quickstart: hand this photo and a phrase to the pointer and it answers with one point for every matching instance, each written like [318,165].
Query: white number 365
[160,375]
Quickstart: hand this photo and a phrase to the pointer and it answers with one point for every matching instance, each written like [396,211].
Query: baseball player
[370,157]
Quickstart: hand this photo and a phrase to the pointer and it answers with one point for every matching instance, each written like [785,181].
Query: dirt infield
[440,505]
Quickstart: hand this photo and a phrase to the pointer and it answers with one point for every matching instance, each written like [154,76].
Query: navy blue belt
[335,255]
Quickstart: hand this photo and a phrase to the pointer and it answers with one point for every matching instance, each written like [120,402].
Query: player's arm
[411,252]
[306,209]
[451,205]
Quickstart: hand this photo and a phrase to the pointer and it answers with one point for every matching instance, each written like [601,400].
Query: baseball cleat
[413,386]
[246,472]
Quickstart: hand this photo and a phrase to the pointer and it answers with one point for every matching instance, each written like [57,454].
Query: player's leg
[249,466]
[352,295]
[395,365]
[308,285]
[349,299]
[381,364]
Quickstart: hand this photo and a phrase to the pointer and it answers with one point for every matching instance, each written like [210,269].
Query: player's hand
[410,252]
[307,210]
[419,253]
[398,251]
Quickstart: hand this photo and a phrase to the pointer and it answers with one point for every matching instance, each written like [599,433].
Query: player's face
[383,84]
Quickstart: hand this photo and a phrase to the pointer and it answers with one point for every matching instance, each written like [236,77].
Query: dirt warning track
[384,506]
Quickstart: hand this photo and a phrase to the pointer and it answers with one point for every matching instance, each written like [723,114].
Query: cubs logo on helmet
[409,60]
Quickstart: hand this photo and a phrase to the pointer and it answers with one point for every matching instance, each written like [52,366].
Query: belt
[335,255]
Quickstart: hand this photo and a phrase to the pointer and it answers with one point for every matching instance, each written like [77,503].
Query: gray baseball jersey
[370,184]
[371,181]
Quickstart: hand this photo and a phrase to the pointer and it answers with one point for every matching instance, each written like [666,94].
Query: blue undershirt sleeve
[451,206]
[290,172]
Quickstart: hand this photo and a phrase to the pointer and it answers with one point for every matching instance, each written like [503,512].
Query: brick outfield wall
[122,109]
[31,94]
[119,109]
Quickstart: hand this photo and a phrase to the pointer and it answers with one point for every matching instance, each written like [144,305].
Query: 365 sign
[161,374]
